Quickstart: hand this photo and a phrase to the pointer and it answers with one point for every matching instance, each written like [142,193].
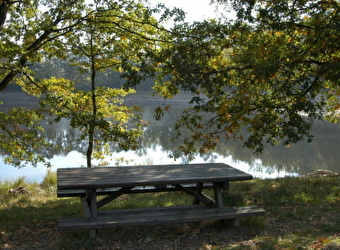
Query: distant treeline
[58,68]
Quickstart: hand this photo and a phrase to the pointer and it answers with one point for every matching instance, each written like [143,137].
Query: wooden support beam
[201,197]
[112,196]
[85,206]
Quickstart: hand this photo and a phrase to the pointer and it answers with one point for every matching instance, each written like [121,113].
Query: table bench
[111,182]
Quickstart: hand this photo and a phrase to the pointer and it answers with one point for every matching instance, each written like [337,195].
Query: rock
[321,172]
[18,190]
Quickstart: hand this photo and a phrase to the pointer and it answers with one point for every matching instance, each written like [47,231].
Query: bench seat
[154,216]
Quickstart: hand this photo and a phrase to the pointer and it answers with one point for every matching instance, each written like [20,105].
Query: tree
[26,32]
[102,35]
[100,113]
[263,78]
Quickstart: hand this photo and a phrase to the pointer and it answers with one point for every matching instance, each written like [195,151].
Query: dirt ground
[192,236]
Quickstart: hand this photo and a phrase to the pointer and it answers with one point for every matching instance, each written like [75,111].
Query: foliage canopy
[93,37]
[262,78]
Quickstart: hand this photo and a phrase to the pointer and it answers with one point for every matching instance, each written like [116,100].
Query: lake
[156,146]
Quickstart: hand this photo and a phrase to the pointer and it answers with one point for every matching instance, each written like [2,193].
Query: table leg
[90,207]
[219,201]
[199,189]
[218,194]
[91,198]
[94,210]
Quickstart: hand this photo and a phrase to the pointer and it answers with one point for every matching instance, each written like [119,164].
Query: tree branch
[44,38]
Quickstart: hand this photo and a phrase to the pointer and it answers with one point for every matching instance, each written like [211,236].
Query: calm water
[156,146]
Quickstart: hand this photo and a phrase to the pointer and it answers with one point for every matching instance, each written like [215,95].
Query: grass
[306,208]
[302,213]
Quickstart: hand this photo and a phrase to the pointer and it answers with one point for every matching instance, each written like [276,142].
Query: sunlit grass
[302,213]
[290,241]
[150,200]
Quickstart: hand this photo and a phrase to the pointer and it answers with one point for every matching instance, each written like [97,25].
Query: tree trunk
[94,108]
[4,6]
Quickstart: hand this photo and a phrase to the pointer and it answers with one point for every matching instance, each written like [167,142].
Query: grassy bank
[302,213]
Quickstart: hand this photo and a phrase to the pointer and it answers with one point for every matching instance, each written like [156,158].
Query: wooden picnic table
[116,181]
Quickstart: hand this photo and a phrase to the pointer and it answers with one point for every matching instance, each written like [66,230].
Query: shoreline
[13,99]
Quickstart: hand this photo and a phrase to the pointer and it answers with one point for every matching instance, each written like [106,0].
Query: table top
[130,176]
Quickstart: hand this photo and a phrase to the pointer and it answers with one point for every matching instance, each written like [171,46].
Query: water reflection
[156,145]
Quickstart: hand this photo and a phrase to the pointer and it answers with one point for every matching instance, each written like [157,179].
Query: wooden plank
[154,216]
[138,189]
[103,177]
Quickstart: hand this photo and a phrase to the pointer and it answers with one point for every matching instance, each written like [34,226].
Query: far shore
[12,99]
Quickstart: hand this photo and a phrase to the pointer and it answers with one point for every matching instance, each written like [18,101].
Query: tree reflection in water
[156,146]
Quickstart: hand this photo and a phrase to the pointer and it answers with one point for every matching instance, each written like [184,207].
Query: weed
[49,182]
[20,182]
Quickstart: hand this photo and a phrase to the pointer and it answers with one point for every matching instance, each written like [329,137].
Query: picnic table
[111,182]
